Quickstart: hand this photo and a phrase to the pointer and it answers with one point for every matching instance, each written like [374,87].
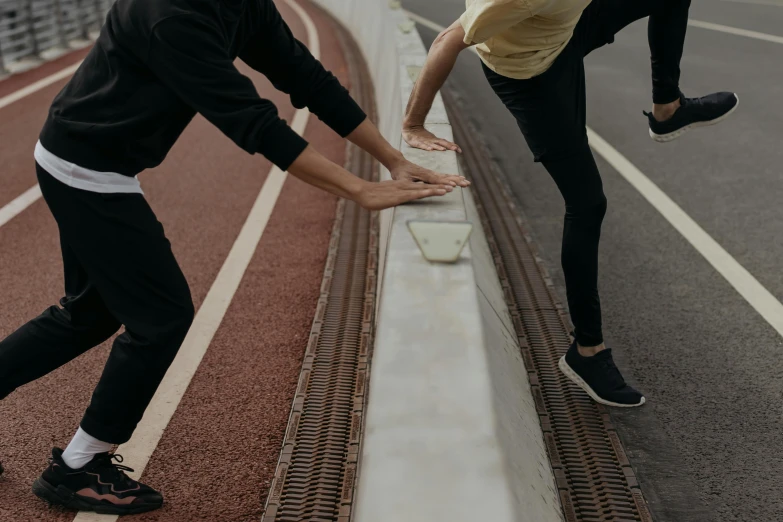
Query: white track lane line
[37,86]
[139,449]
[761,299]
[32,194]
[12,209]
[743,281]
[736,31]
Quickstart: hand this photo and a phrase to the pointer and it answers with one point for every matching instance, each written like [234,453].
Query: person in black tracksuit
[549,105]
[154,66]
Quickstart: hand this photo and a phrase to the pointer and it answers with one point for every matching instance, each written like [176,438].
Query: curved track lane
[217,456]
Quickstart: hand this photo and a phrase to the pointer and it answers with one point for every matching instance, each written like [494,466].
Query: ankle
[664,111]
[589,351]
[82,448]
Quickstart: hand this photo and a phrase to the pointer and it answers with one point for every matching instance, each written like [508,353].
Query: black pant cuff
[104,433]
[663,96]
[589,340]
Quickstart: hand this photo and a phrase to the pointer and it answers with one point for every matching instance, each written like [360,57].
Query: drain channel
[594,477]
[316,475]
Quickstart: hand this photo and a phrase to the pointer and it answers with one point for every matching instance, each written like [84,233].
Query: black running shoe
[600,378]
[101,486]
[693,112]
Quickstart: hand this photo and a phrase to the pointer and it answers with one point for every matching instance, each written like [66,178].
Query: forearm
[368,137]
[440,61]
[314,169]
[291,67]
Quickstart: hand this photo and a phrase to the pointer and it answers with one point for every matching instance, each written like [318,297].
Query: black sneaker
[101,486]
[600,378]
[693,112]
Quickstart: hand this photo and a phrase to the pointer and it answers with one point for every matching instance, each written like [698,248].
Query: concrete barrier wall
[451,432]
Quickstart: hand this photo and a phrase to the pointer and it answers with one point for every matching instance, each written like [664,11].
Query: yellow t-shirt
[520,38]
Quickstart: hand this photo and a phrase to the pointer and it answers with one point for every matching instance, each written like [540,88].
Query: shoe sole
[663,138]
[63,496]
[571,374]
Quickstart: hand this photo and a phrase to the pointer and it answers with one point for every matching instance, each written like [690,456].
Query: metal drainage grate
[594,478]
[316,475]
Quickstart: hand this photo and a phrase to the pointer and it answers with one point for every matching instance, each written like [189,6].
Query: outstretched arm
[367,137]
[440,61]
[205,78]
[313,168]
[291,67]
[479,23]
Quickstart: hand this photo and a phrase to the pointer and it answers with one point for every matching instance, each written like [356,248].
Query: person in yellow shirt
[532,54]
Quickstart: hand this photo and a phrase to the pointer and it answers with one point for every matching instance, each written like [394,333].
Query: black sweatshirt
[158,62]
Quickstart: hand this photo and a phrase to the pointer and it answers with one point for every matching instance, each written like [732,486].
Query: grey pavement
[708,445]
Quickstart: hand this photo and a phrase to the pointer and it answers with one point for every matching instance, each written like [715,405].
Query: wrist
[388,156]
[410,122]
[394,161]
[355,188]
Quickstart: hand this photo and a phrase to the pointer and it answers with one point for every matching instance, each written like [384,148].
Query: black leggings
[119,270]
[550,111]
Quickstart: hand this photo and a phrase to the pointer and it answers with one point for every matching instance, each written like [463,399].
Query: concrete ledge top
[451,431]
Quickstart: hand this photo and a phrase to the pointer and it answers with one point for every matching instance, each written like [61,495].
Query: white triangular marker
[413,72]
[440,241]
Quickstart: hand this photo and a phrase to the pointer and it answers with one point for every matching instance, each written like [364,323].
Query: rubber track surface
[217,457]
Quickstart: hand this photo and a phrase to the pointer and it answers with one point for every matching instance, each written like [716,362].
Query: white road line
[139,449]
[774,3]
[736,31]
[423,21]
[32,194]
[15,207]
[743,281]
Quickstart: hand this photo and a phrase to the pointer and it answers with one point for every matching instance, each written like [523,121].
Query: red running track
[217,456]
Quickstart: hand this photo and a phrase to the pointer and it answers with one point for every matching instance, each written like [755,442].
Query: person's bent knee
[180,320]
[103,329]
[89,326]
[188,314]
[593,209]
[177,328]
[166,328]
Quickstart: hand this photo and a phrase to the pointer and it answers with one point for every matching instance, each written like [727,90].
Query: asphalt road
[708,445]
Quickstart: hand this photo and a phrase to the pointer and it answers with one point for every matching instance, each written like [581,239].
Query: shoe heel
[45,491]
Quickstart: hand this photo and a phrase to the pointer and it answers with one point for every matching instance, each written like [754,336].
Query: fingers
[422,193]
[433,192]
[437,144]
[447,145]
[417,141]
[431,143]
[440,188]
[395,193]
[414,186]
[459,181]
[453,180]
[441,145]
[431,146]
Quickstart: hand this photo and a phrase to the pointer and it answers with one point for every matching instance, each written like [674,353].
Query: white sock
[82,449]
